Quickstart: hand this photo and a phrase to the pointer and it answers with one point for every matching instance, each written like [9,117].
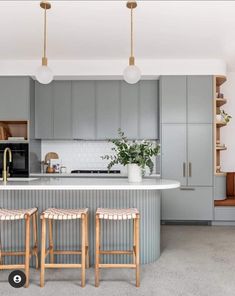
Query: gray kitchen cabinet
[188,204]
[43,111]
[107,109]
[53,110]
[187,154]
[173,93]
[174,152]
[148,119]
[130,109]
[62,110]
[15,98]
[83,102]
[200,155]
[186,99]
[200,99]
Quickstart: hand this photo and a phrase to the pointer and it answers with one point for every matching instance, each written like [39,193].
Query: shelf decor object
[44,74]
[221,119]
[132,73]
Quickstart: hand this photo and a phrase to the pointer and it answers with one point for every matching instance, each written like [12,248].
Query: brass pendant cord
[132,29]
[45,33]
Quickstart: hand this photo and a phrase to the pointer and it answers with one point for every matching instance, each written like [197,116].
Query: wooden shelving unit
[218,147]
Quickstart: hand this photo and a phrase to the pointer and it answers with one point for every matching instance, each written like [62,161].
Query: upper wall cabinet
[200,99]
[53,110]
[148,110]
[83,102]
[173,93]
[108,109]
[15,98]
[94,110]
[186,99]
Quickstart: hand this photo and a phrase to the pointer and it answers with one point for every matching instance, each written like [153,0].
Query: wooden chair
[64,214]
[118,214]
[27,215]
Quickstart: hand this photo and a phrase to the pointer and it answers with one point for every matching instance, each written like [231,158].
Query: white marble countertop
[88,184]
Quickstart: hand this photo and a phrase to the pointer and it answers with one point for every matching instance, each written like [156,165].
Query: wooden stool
[64,214]
[27,214]
[118,214]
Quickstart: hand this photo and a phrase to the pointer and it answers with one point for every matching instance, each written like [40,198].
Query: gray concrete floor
[195,261]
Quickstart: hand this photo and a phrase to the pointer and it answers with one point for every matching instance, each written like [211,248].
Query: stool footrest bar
[116,252]
[117,265]
[62,265]
[13,266]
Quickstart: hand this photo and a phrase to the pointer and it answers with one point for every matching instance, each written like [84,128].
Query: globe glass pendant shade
[44,75]
[132,74]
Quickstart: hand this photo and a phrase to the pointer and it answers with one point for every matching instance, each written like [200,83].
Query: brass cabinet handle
[184,169]
[190,169]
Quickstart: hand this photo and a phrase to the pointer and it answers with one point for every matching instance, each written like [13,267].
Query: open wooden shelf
[220,102]
[228,202]
[221,148]
[220,124]
[220,80]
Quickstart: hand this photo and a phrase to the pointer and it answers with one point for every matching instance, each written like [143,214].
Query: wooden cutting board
[51,155]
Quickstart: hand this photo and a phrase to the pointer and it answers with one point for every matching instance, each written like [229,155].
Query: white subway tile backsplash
[81,154]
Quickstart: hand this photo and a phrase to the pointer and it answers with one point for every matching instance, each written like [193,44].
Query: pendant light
[44,74]
[132,73]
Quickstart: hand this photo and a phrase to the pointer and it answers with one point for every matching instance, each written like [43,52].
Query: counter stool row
[52,214]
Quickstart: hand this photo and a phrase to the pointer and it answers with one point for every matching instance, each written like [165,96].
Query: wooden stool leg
[137,249]
[43,252]
[87,241]
[134,241]
[27,248]
[97,250]
[51,244]
[83,250]
[35,237]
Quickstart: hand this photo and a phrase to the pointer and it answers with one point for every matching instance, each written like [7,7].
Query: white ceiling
[99,30]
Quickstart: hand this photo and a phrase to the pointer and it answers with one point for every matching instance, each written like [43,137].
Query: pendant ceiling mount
[45,5]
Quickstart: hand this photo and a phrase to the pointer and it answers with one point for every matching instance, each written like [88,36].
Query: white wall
[228,132]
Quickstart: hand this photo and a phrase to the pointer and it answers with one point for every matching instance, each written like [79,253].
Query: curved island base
[115,235]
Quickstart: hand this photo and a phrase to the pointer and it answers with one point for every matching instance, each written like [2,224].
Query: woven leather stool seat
[6,214]
[63,214]
[117,214]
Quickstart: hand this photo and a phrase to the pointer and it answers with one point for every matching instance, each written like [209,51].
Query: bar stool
[25,214]
[64,214]
[118,214]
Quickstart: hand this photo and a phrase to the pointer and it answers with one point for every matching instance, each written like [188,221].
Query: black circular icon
[17,279]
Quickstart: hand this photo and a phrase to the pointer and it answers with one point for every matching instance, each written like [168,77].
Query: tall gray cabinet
[187,146]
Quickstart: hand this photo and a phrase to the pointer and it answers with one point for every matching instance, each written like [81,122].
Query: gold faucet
[5,168]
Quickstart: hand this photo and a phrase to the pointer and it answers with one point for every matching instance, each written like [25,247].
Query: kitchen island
[92,193]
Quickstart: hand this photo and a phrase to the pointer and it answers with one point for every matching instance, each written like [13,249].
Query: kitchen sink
[20,179]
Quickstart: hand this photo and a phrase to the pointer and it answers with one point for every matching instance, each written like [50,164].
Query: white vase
[134,173]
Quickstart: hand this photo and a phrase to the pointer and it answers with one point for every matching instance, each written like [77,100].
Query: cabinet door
[83,98]
[14,98]
[130,109]
[200,99]
[148,119]
[62,110]
[200,154]
[108,109]
[43,111]
[173,152]
[191,204]
[173,99]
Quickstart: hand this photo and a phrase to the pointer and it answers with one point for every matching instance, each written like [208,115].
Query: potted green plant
[225,116]
[136,155]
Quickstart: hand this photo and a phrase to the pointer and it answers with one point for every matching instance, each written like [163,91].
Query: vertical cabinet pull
[184,169]
[190,169]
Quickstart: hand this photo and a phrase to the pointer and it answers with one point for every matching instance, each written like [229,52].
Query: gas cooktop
[96,172]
